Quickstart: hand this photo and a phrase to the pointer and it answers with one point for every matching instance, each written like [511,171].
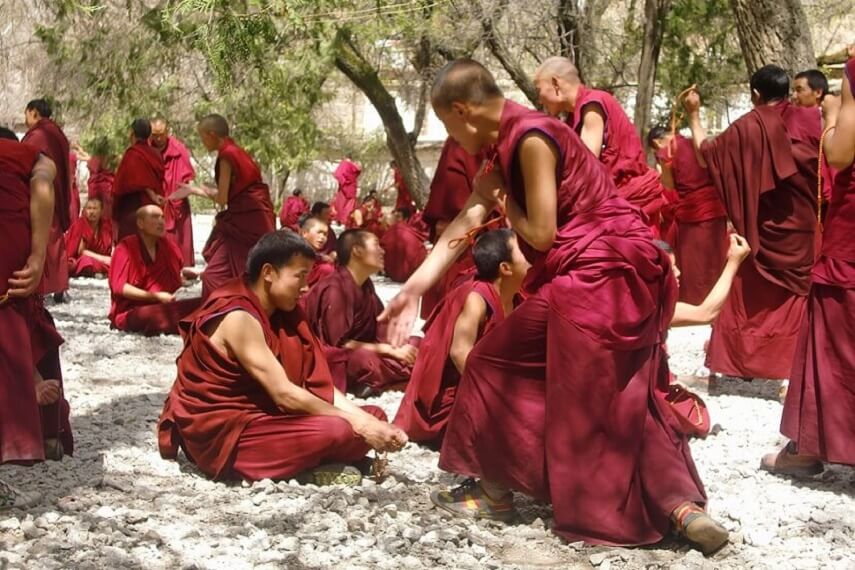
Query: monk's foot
[789,462]
[190,273]
[696,526]
[12,498]
[331,474]
[365,391]
[470,501]
[48,392]
[782,392]
[54,451]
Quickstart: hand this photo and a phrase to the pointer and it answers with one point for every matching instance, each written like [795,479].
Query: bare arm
[224,182]
[692,104]
[667,176]
[466,329]
[25,281]
[840,143]
[538,225]
[105,259]
[593,128]
[136,294]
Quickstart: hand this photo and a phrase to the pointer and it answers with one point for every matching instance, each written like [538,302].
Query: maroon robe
[558,395]
[46,137]
[224,419]
[132,265]
[80,264]
[701,239]
[292,209]
[339,312]
[100,185]
[404,251]
[403,199]
[623,155]
[179,222]
[319,270]
[344,202]
[29,340]
[248,216]
[765,168]
[427,402]
[818,413]
[141,169]
[74,203]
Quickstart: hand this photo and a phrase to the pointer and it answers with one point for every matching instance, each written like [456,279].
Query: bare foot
[48,392]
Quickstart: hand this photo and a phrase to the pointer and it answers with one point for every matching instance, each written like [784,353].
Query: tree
[655,14]
[774,31]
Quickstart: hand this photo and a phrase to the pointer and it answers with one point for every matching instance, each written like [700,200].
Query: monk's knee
[337,432]
[376,412]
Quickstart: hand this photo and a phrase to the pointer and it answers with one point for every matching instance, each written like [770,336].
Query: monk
[315,231]
[144,276]
[369,215]
[74,204]
[346,174]
[44,135]
[818,415]
[293,208]
[247,214]
[323,212]
[343,309]
[598,118]
[100,183]
[90,242]
[403,199]
[254,398]
[33,411]
[765,168]
[464,316]
[701,238]
[810,88]
[177,170]
[139,180]
[588,248]
[404,247]
[450,187]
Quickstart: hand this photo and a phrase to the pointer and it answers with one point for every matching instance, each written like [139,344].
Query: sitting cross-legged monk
[90,242]
[464,316]
[144,276]
[343,309]
[404,246]
[254,398]
[315,231]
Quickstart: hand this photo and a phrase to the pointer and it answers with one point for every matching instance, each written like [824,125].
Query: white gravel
[117,504]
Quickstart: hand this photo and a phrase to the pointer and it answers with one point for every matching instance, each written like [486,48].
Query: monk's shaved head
[216,124]
[557,66]
[148,211]
[463,81]
[150,222]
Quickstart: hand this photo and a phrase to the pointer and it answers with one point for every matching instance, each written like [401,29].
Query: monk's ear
[459,109]
[505,269]
[556,84]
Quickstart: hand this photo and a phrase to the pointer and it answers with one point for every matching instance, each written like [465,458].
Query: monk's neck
[94,225]
[507,292]
[150,244]
[263,298]
[569,104]
[360,274]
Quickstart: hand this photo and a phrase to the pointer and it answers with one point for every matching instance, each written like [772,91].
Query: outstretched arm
[692,104]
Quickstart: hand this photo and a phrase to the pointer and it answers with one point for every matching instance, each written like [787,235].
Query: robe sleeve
[333,324]
[120,269]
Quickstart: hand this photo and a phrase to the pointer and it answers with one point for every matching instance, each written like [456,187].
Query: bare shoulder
[475,308]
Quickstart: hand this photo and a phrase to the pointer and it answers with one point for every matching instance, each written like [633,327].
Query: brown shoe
[696,526]
[788,462]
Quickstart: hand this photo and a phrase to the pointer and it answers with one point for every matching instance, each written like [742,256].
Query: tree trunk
[655,13]
[353,65]
[501,53]
[774,32]
[577,40]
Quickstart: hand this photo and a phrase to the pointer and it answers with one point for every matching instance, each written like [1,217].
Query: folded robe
[141,169]
[344,202]
[292,208]
[81,236]
[404,251]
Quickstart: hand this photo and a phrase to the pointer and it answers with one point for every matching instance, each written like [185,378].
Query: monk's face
[674,268]
[325,215]
[553,93]
[151,222]
[370,253]
[287,284]
[210,141]
[316,234]
[31,117]
[159,135]
[803,95]
[661,142]
[92,211]
[460,126]
[519,265]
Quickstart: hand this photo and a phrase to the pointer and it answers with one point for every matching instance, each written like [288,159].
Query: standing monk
[810,88]
[346,174]
[139,180]
[598,118]
[293,208]
[90,242]
[404,247]
[701,244]
[246,212]
[818,412]
[403,198]
[528,414]
[765,168]
[178,170]
[45,136]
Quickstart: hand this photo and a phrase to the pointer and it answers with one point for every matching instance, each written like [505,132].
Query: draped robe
[141,169]
[179,222]
[344,202]
[98,240]
[404,251]
[292,209]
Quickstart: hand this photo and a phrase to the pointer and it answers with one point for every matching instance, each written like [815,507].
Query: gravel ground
[116,504]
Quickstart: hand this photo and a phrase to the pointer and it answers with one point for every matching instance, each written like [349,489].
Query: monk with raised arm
[600,121]
[464,316]
[403,245]
[765,169]
[144,275]
[139,180]
[254,398]
[90,242]
[315,232]
[343,309]
[529,415]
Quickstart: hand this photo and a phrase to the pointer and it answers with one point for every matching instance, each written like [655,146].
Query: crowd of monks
[559,259]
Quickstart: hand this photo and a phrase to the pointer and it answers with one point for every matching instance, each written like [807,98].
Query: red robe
[132,265]
[46,137]
[81,265]
[405,250]
[344,202]
[701,240]
[292,209]
[339,312]
[319,270]
[100,185]
[623,155]
[527,413]
[765,168]
[226,422]
[249,216]
[74,203]
[403,199]
[29,340]
[141,168]
[427,402]
[818,413]
[179,223]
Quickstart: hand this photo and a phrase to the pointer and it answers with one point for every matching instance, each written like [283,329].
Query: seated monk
[343,309]
[463,317]
[404,247]
[323,212]
[90,242]
[315,231]
[293,208]
[254,398]
[144,276]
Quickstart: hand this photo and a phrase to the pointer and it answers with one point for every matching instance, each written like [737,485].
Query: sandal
[696,526]
[788,462]
[469,500]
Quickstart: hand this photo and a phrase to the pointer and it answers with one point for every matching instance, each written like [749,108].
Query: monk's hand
[24,282]
[400,313]
[489,185]
[155,197]
[692,102]
[739,249]
[406,353]
[380,435]
[164,297]
[48,392]
[850,51]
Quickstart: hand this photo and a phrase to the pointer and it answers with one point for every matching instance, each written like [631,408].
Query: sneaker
[12,498]
[332,474]
[469,500]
